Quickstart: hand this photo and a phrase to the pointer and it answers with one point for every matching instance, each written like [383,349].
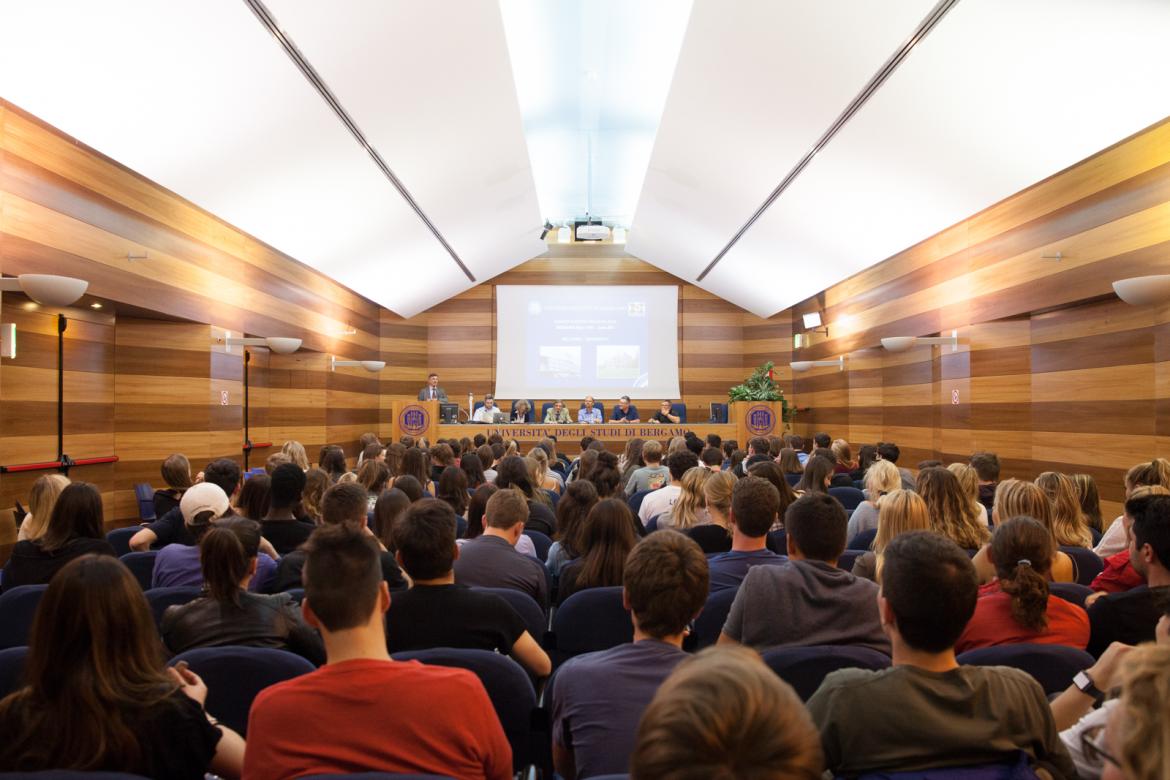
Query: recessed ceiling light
[95,305]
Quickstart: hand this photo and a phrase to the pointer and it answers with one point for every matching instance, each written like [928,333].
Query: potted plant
[760,386]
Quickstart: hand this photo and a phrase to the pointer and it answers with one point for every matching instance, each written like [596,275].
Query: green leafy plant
[761,387]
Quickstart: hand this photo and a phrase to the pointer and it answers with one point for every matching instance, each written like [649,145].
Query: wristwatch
[1085,685]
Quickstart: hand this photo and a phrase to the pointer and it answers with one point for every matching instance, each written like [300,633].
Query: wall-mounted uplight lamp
[46,289]
[903,343]
[373,366]
[814,323]
[278,344]
[1143,290]
[800,366]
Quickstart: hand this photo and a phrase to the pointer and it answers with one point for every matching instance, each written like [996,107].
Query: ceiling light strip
[932,19]
[310,73]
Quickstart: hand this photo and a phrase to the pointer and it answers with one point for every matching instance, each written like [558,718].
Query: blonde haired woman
[882,477]
[539,472]
[845,462]
[295,451]
[715,536]
[691,507]
[1068,521]
[1155,472]
[41,500]
[1015,498]
[899,511]
[969,480]
[951,511]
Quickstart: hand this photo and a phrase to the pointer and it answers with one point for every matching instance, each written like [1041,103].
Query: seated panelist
[520,411]
[486,413]
[589,413]
[625,411]
[664,415]
[557,414]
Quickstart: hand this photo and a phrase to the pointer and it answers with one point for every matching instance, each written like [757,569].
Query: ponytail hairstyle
[1068,522]
[1156,472]
[1022,550]
[225,554]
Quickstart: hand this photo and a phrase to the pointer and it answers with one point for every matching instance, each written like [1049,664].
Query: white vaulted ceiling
[686,113]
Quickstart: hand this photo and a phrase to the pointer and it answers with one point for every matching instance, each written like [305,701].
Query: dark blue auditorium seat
[805,668]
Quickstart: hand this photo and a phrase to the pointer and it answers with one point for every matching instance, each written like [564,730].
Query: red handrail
[257,445]
[56,464]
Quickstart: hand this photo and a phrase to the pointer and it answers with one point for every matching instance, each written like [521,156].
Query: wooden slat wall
[1053,372]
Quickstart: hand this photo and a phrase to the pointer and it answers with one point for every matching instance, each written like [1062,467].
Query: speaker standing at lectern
[432,391]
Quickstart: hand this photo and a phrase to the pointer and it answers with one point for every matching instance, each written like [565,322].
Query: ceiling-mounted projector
[592,232]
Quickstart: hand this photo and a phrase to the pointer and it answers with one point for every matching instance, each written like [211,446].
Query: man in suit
[432,392]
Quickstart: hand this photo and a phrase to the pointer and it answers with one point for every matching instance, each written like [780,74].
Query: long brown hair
[316,483]
[789,463]
[225,554]
[608,538]
[951,512]
[94,662]
[76,515]
[816,471]
[572,510]
[1068,522]
[1090,500]
[1022,549]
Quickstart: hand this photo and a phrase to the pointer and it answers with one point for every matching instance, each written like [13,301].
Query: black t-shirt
[288,572]
[164,501]
[541,518]
[31,565]
[174,735]
[1128,617]
[744,465]
[286,535]
[660,417]
[170,529]
[429,616]
[711,538]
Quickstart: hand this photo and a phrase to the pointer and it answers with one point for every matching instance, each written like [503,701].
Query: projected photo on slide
[569,342]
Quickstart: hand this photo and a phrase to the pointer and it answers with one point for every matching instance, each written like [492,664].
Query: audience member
[491,559]
[373,476]
[1016,498]
[809,601]
[690,509]
[1090,501]
[41,499]
[331,460]
[1068,522]
[273,460]
[1119,575]
[255,497]
[887,450]
[727,447]
[818,474]
[170,527]
[596,699]
[178,564]
[724,714]
[1153,473]
[369,713]
[969,482]
[986,465]
[634,458]
[771,472]
[789,463]
[472,468]
[605,476]
[228,614]
[754,505]
[711,459]
[281,526]
[436,612]
[176,473]
[389,507]
[539,472]
[295,452]
[95,695]
[899,511]
[316,483]
[606,540]
[513,474]
[926,711]
[758,451]
[662,500]
[1130,617]
[442,456]
[866,457]
[951,512]
[415,465]
[76,527]
[653,474]
[844,453]
[1017,607]
[881,478]
[343,504]
[715,535]
[451,487]
[572,510]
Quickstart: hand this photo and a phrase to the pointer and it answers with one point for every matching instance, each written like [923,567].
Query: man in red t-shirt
[362,712]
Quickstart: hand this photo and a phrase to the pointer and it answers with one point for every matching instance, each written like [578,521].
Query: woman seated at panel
[557,414]
[1016,606]
[97,696]
[227,614]
[520,411]
[75,528]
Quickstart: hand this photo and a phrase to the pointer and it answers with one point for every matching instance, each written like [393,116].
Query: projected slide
[568,342]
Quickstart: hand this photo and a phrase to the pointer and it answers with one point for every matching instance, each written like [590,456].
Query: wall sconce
[801,366]
[813,323]
[46,289]
[279,345]
[373,366]
[903,343]
[1143,290]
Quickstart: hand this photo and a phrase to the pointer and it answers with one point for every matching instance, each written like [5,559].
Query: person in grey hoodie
[809,601]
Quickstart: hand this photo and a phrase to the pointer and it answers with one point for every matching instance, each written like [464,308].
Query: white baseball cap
[204,497]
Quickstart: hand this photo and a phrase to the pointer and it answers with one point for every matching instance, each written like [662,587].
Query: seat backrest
[507,685]
[141,565]
[544,407]
[18,607]
[1088,564]
[850,497]
[679,410]
[376,776]
[235,675]
[1072,592]
[719,413]
[778,541]
[554,497]
[710,537]
[591,619]
[296,594]
[1018,768]
[541,542]
[1053,666]
[792,479]
[161,598]
[652,524]
[119,538]
[847,559]
[144,493]
[69,774]
[12,661]
[805,668]
[525,606]
[863,540]
[635,501]
[709,623]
